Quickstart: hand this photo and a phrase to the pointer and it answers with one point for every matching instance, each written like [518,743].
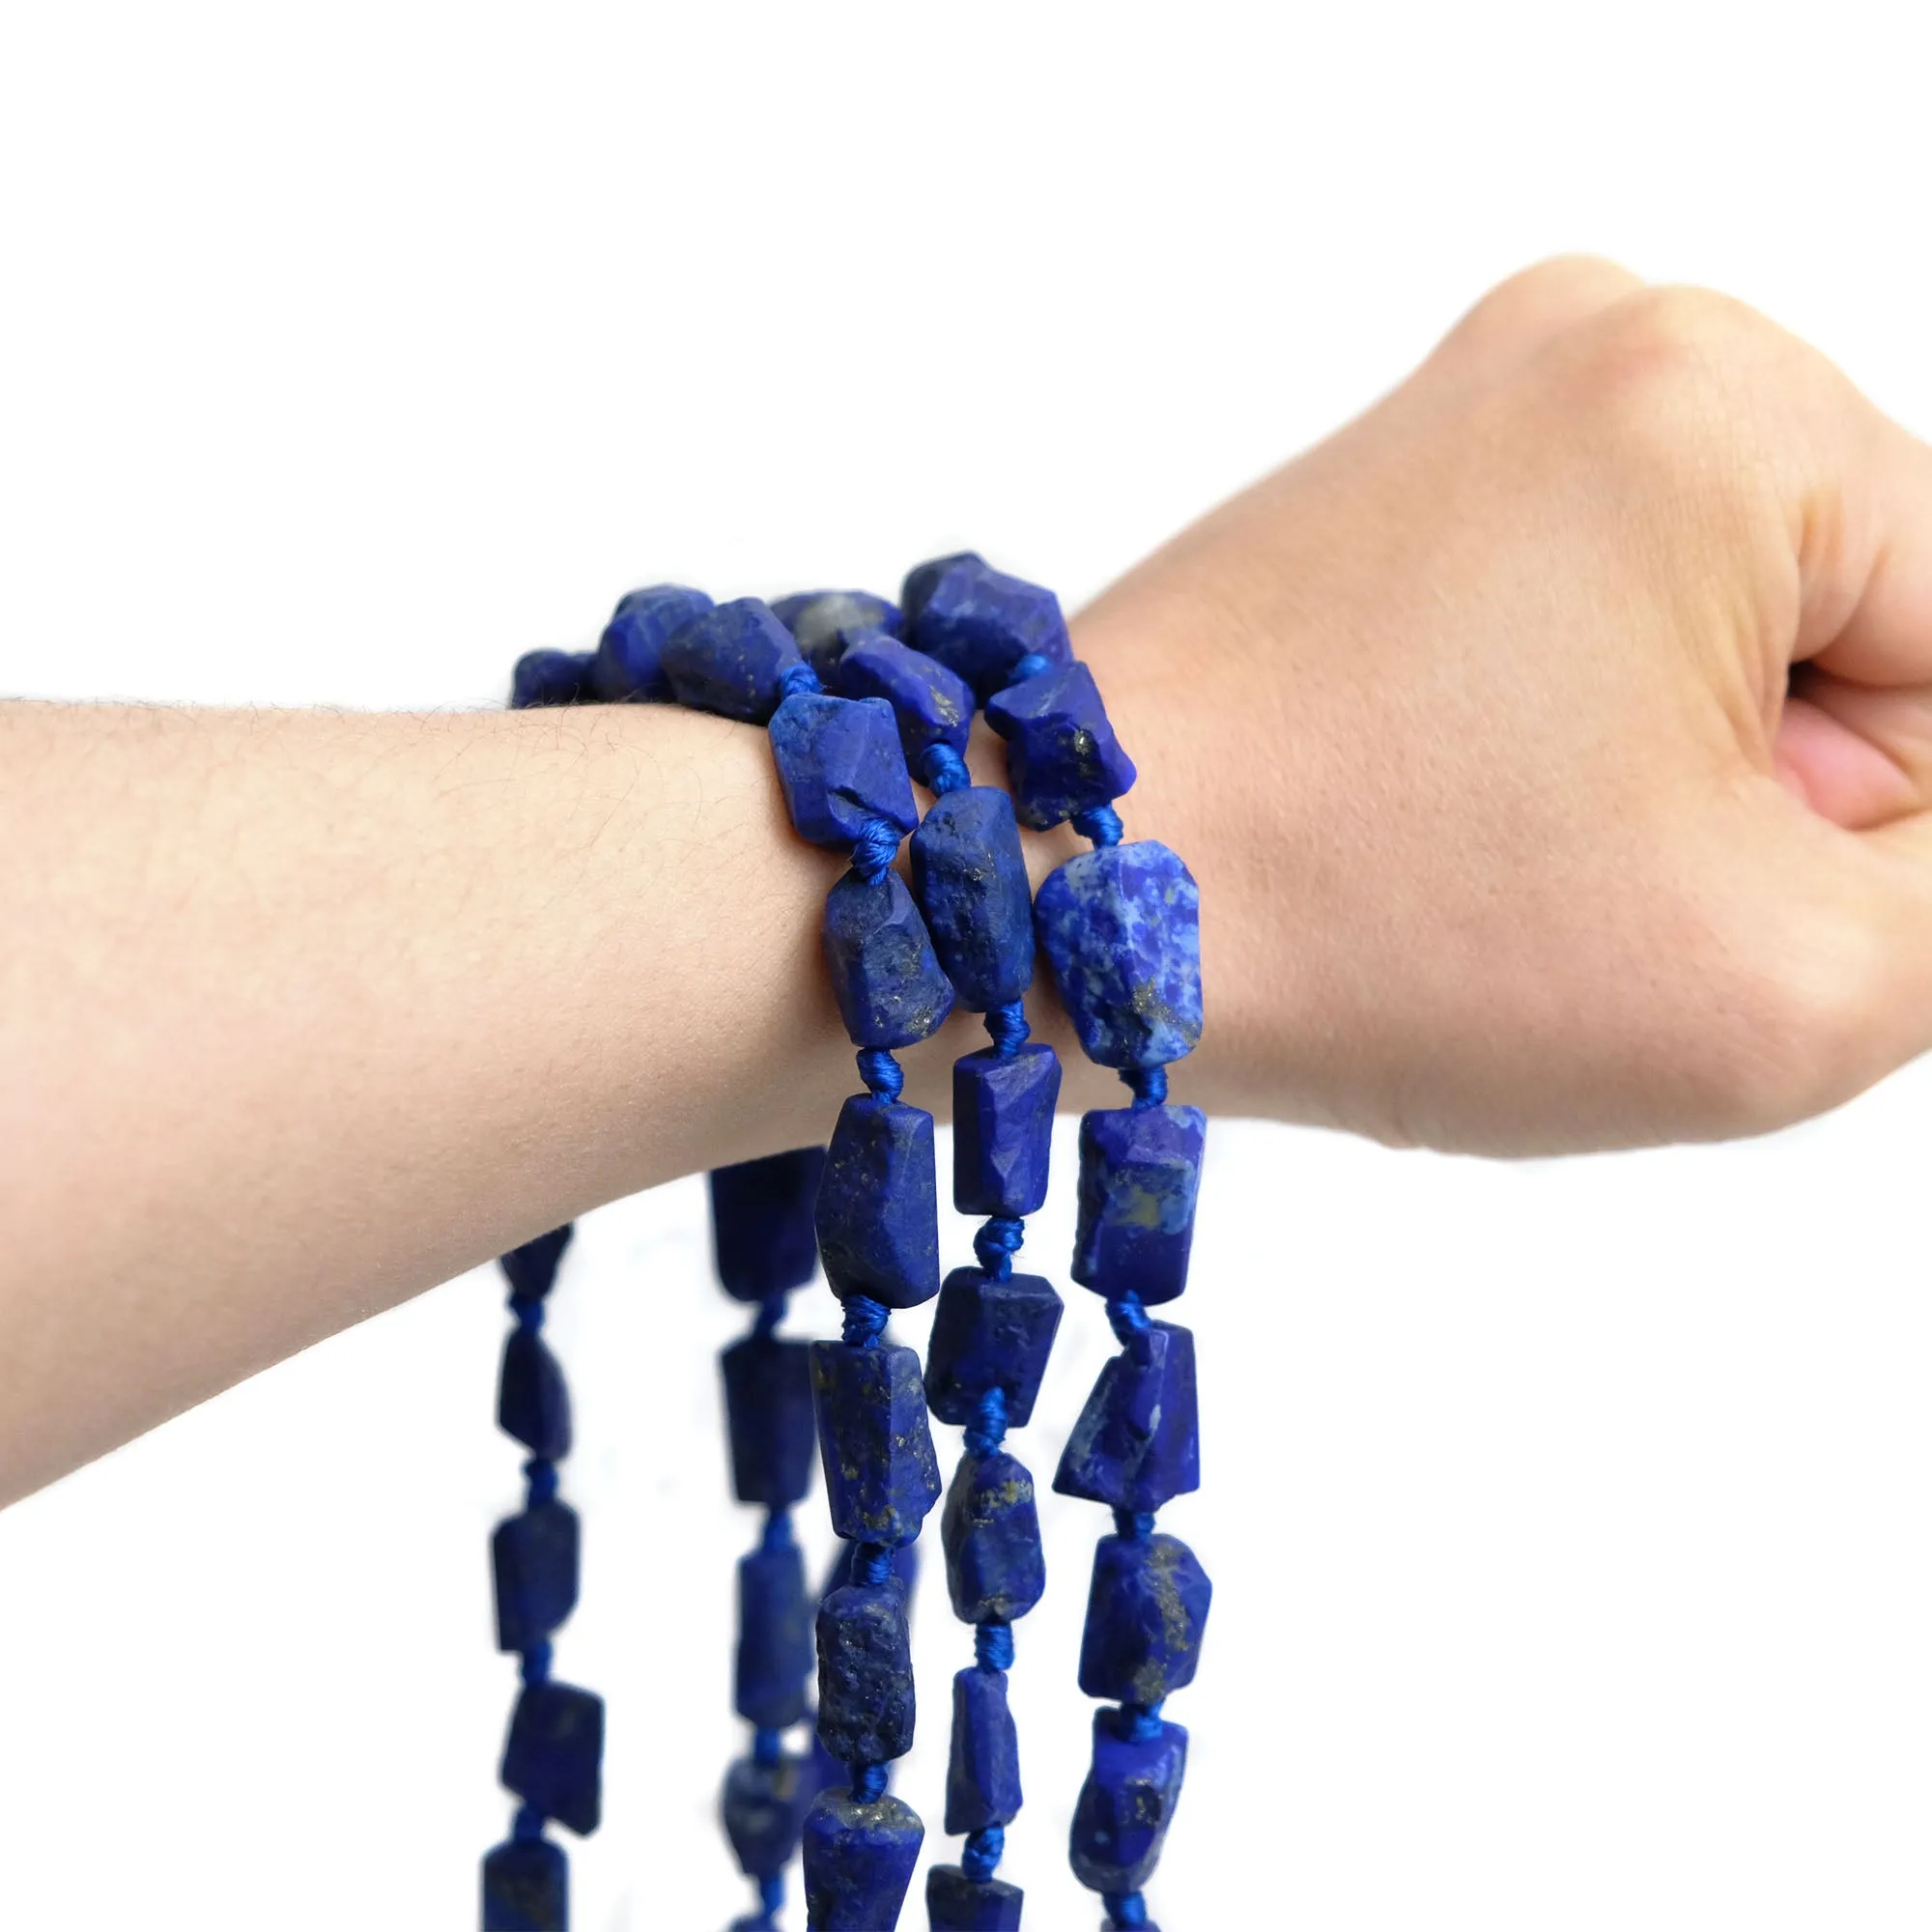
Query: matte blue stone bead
[859,1862]
[761,1223]
[980,622]
[531,1269]
[931,703]
[989,1334]
[544,678]
[889,985]
[527,1887]
[730,660]
[881,1476]
[970,878]
[1140,1170]
[1126,1805]
[825,622]
[534,1557]
[982,1778]
[629,664]
[555,1755]
[906,1566]
[773,1661]
[1122,925]
[841,767]
[866,1707]
[956,1903]
[763,1809]
[995,1569]
[1061,754]
[878,1204]
[1003,1128]
[920,581]
[1137,1444]
[768,1413]
[533,1403]
[1145,1613]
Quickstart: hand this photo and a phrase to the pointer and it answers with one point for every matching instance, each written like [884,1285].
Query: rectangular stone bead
[628,666]
[980,622]
[956,1903]
[730,660]
[527,1887]
[769,1418]
[1137,1444]
[774,1659]
[1003,1128]
[881,1475]
[1122,1817]
[989,1334]
[1061,754]
[878,1204]
[968,876]
[866,1704]
[532,1402]
[995,1570]
[763,1809]
[761,1223]
[890,986]
[534,1557]
[1140,1171]
[931,704]
[1145,1613]
[858,1860]
[840,766]
[982,1778]
[554,1757]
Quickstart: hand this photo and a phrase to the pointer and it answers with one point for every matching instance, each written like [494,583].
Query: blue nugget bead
[881,1476]
[841,767]
[730,660]
[1121,1820]
[970,877]
[768,1413]
[544,678]
[1003,1128]
[533,1403]
[1137,1444]
[773,1661]
[865,1708]
[989,1334]
[982,1778]
[763,1809]
[889,985]
[859,1862]
[555,1755]
[629,664]
[527,1887]
[1140,1170]
[920,581]
[1145,1615]
[531,1269]
[878,1204]
[1121,927]
[931,704]
[980,622]
[956,1903]
[1061,754]
[535,1556]
[994,1566]
[761,1223]
[825,623]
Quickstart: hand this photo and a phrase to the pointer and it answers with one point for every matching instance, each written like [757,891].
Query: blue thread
[1008,1025]
[988,1426]
[980,1858]
[778,1533]
[772,1894]
[1032,665]
[771,1312]
[536,1663]
[864,1320]
[1128,1320]
[1101,823]
[540,1473]
[868,1783]
[529,1823]
[993,1646]
[1127,1909]
[767,1748]
[996,1244]
[872,1564]
[528,1309]
[882,1075]
[1143,1725]
[1136,1525]
[875,849]
[1150,1085]
[800,680]
[940,769]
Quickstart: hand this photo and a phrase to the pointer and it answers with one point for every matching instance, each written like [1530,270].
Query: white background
[1569,1521]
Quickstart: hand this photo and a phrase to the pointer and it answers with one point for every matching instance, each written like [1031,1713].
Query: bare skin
[1553,747]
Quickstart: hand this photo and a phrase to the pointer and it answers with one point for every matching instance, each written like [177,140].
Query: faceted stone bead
[773,1661]
[841,767]
[970,878]
[906,1566]
[881,1475]
[1003,1128]
[994,1566]
[987,1334]
[1137,1444]
[534,1557]
[1121,1820]
[544,678]
[890,988]
[730,660]
[764,1808]
[533,1403]
[629,664]
[956,1903]
[826,622]
[982,1778]
[919,579]
[859,1862]
[980,622]
[527,1887]
[931,704]
[768,1413]
[1140,1170]
[1061,754]
[866,1707]
[1145,1616]
[878,1204]
[1121,927]
[531,1269]
[761,1223]
[555,1755]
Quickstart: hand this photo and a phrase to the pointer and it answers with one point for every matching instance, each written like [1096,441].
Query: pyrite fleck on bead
[531,1269]
[533,1556]
[840,766]
[826,622]
[970,878]
[1125,1806]
[956,1903]
[763,1809]
[987,1334]
[995,1569]
[1003,1128]
[761,1223]
[628,666]
[1061,754]
[881,1475]
[1140,1171]
[554,1757]
[730,659]
[1137,1444]
[1121,927]
[546,678]
[982,1778]
[858,1860]
[980,622]
[767,1417]
[1145,1613]
[932,706]
[885,976]
[774,1659]
[527,1887]
[866,1706]
[878,1204]
[532,1402]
